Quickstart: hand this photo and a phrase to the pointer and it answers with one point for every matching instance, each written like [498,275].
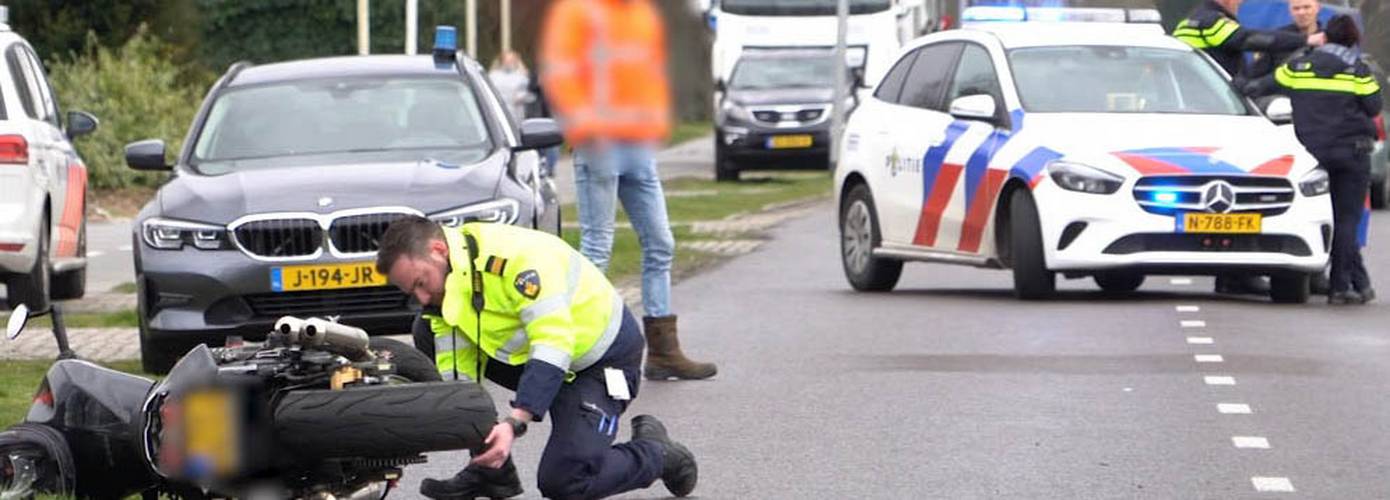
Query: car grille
[790,116]
[329,302]
[1252,194]
[1186,242]
[280,237]
[352,232]
[360,233]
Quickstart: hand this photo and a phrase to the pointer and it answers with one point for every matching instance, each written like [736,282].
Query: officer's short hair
[409,236]
[1342,30]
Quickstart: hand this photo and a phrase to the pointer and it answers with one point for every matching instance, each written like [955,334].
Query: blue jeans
[626,171]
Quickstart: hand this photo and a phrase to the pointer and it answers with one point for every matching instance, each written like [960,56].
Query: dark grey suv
[291,173]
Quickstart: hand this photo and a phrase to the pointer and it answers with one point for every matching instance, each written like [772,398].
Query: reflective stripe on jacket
[1334,102]
[544,306]
[604,68]
[1215,31]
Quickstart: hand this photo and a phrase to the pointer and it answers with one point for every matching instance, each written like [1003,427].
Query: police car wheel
[859,235]
[1032,280]
[1289,288]
[1119,281]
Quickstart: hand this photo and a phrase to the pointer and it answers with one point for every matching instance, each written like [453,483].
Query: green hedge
[137,92]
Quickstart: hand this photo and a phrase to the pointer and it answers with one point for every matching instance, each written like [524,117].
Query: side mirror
[81,123]
[1280,110]
[857,74]
[974,107]
[18,318]
[146,155]
[720,86]
[540,133]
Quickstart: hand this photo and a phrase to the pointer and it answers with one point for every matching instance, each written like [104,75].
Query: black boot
[679,471]
[475,482]
[1345,298]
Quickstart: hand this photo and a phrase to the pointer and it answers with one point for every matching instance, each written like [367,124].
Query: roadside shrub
[137,92]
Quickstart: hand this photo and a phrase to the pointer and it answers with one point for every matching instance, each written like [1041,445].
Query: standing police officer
[1335,96]
[1305,21]
[530,313]
[1212,28]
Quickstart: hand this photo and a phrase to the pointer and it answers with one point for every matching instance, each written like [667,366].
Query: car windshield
[388,119]
[800,7]
[1095,79]
[785,72]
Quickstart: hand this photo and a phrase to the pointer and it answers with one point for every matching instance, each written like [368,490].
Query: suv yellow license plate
[1221,223]
[325,277]
[789,141]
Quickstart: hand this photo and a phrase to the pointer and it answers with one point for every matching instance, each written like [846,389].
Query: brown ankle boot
[664,357]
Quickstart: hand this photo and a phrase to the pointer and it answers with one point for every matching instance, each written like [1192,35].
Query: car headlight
[1083,178]
[170,234]
[504,210]
[736,113]
[1315,183]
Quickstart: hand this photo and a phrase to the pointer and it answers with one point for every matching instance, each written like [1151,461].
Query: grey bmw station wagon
[291,173]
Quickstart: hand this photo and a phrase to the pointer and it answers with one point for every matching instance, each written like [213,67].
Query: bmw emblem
[325,201]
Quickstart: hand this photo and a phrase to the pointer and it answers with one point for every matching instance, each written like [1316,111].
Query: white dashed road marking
[1251,442]
[95,253]
[1208,358]
[1188,309]
[1233,408]
[1200,340]
[1272,484]
[1193,323]
[1219,380]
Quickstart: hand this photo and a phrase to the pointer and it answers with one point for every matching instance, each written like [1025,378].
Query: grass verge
[694,200]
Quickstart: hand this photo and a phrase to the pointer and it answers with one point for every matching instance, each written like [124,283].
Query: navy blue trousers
[580,460]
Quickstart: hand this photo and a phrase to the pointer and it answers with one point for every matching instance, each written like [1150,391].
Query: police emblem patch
[528,283]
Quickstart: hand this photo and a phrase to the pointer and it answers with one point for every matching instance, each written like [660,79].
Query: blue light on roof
[446,41]
[989,13]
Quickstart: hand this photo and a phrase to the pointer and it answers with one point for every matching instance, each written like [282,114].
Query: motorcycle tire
[410,362]
[383,421]
[57,473]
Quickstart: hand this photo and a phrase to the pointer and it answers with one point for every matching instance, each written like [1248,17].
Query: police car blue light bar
[446,41]
[1013,13]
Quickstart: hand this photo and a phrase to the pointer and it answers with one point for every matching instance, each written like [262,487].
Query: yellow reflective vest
[542,301]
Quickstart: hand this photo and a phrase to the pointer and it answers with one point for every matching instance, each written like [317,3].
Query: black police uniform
[1335,97]
[1213,29]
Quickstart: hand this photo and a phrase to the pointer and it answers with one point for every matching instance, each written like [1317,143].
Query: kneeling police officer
[530,313]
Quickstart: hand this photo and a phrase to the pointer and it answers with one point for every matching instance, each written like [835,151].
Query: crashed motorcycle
[319,410]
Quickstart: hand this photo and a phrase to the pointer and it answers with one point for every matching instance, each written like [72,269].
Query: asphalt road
[951,388]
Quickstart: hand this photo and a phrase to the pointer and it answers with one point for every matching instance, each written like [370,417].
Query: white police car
[43,182]
[1101,149]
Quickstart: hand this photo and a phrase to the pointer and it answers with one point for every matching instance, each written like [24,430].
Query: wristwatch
[518,426]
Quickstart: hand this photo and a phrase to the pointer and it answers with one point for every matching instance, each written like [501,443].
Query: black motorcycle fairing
[96,409]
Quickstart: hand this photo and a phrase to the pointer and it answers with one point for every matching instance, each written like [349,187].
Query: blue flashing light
[988,13]
[1165,197]
[446,41]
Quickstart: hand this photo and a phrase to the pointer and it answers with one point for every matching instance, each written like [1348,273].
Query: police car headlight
[1315,183]
[1083,178]
[170,234]
[504,210]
